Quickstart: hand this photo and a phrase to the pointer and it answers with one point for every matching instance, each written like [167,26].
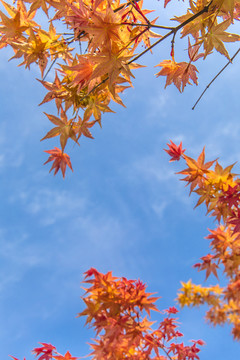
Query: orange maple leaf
[196,170]
[83,127]
[79,71]
[65,128]
[207,265]
[178,73]
[67,356]
[36,4]
[11,28]
[60,160]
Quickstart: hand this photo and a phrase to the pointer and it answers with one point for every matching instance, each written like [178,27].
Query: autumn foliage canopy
[95,50]
[87,55]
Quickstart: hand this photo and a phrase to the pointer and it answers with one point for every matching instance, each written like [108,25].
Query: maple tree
[118,310]
[219,189]
[110,33]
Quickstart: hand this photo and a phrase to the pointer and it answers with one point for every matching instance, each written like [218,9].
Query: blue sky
[122,209]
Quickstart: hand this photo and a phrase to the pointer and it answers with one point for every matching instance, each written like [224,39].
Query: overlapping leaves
[110,34]
[219,189]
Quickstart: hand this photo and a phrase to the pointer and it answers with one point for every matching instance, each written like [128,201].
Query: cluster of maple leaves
[108,33]
[115,308]
[49,352]
[219,189]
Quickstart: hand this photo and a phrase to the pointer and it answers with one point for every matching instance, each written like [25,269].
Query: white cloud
[49,205]
[159,208]
[17,256]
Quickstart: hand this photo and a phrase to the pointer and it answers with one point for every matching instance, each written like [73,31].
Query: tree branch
[173,31]
[215,77]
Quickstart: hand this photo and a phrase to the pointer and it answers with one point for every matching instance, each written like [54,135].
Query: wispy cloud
[17,255]
[48,204]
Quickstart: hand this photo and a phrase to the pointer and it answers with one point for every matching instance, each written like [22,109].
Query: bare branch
[215,77]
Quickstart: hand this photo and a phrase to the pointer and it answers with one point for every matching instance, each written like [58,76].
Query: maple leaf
[83,127]
[56,46]
[184,74]
[208,265]
[15,358]
[67,356]
[11,28]
[56,91]
[196,170]
[78,18]
[215,37]
[207,195]
[174,151]
[226,7]
[112,64]
[235,221]
[178,73]
[79,72]
[222,238]
[171,310]
[39,46]
[25,16]
[65,128]
[34,50]
[231,196]
[36,4]
[222,178]
[168,326]
[199,24]
[193,51]
[60,160]
[96,103]
[104,29]
[169,68]
[92,271]
[46,350]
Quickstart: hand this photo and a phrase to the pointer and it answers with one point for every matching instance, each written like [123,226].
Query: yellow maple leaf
[216,36]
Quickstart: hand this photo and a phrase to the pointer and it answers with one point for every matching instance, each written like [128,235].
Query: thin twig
[149,25]
[170,358]
[174,30]
[215,77]
[49,68]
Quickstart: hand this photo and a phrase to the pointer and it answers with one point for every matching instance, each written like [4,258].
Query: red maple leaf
[171,310]
[60,160]
[235,221]
[231,196]
[46,351]
[175,151]
[207,265]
